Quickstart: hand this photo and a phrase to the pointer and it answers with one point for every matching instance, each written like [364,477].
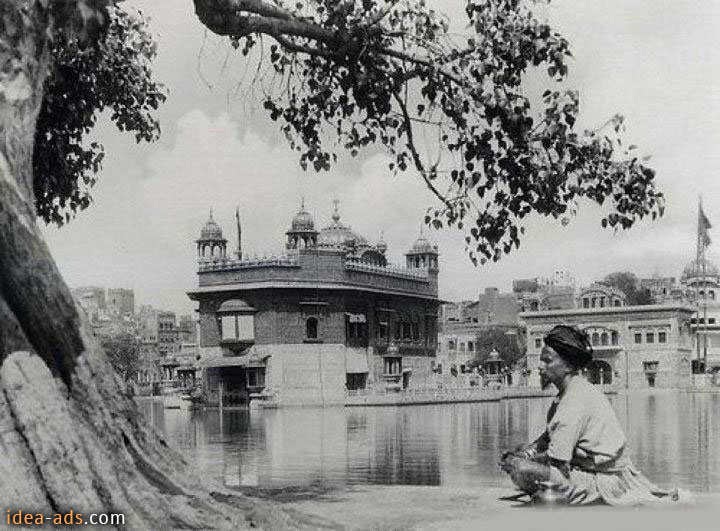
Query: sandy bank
[439,508]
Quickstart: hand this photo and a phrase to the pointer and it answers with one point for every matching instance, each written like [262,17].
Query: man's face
[553,367]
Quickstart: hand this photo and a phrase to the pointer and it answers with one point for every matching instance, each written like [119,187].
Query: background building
[120,302]
[633,346]
[463,322]
[91,299]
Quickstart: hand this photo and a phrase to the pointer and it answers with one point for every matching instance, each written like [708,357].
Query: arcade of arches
[598,372]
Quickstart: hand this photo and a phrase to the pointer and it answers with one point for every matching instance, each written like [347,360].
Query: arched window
[614,337]
[617,302]
[604,338]
[586,302]
[595,338]
[406,329]
[598,372]
[311,328]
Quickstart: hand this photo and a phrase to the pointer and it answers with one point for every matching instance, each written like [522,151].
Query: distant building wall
[634,346]
[495,308]
[121,301]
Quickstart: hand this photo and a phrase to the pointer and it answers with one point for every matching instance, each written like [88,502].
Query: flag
[703,227]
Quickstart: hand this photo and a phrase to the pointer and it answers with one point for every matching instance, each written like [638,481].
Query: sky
[654,61]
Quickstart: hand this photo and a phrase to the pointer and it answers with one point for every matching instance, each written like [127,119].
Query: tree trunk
[70,435]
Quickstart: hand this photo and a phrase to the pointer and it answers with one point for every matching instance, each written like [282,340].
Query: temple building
[329,317]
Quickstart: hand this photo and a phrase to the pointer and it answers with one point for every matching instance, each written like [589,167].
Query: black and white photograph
[360,264]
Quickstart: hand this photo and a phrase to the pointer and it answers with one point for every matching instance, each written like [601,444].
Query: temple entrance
[234,385]
[598,372]
[355,381]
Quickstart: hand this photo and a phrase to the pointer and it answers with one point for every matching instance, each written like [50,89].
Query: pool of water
[674,437]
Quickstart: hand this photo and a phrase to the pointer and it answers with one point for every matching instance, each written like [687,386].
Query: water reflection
[673,438]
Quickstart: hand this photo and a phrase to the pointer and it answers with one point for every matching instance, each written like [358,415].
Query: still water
[674,438]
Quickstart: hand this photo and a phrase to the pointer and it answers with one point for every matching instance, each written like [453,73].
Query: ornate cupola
[381,245]
[422,254]
[302,233]
[211,244]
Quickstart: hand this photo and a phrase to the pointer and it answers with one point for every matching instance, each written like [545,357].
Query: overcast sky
[655,61]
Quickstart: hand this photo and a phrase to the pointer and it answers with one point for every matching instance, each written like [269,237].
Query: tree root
[88,449]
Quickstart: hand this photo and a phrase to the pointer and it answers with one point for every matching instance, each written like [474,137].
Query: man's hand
[527,451]
[525,473]
[508,461]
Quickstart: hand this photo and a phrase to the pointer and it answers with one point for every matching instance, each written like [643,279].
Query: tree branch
[244,17]
[299,48]
[238,18]
[415,155]
[382,13]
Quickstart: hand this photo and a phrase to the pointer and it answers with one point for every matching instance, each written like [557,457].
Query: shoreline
[445,507]
[423,397]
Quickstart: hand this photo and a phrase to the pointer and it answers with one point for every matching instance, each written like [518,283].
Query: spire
[336,214]
[239,233]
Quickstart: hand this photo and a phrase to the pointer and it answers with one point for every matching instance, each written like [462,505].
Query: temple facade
[329,317]
[633,346]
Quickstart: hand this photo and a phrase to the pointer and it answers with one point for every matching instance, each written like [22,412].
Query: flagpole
[703,241]
[698,256]
[239,233]
[705,290]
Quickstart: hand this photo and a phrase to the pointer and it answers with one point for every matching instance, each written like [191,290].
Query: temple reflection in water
[673,438]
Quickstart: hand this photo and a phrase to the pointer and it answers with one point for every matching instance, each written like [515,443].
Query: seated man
[583,447]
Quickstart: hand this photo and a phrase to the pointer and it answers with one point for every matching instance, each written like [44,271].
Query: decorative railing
[224,264]
[395,271]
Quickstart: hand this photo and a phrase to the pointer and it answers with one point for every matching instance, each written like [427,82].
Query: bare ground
[440,508]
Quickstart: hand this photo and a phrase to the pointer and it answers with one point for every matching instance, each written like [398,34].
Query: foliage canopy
[113,73]
[506,341]
[390,73]
[629,284]
[387,74]
[123,352]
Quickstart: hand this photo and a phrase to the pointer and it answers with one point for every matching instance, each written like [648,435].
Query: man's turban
[571,344]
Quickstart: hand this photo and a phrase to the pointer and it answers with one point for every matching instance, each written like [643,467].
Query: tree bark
[71,438]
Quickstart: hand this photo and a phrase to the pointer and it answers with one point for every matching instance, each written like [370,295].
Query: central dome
[697,269]
[339,236]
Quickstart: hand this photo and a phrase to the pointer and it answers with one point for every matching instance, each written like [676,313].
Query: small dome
[302,221]
[695,269]
[381,245]
[211,230]
[494,355]
[422,245]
